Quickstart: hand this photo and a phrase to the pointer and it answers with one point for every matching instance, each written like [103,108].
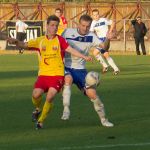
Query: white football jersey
[21,26]
[100,27]
[81,43]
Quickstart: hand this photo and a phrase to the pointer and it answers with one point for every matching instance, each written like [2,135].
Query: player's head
[84,24]
[58,12]
[52,24]
[138,19]
[95,14]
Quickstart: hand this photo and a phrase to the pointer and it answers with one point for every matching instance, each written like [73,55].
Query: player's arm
[18,43]
[112,26]
[133,22]
[110,33]
[74,52]
[16,28]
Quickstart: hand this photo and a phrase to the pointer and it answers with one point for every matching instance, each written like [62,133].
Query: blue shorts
[100,49]
[78,76]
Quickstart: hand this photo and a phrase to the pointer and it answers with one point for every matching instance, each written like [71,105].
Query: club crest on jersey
[55,48]
[80,39]
[43,48]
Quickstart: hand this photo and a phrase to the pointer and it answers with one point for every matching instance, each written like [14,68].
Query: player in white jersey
[20,31]
[101,27]
[82,40]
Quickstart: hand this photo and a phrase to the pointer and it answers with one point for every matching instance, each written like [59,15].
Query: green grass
[126,100]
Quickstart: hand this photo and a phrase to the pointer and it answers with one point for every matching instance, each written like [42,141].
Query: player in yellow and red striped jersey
[63,22]
[51,49]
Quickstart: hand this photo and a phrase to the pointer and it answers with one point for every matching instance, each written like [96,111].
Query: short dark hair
[138,18]
[59,9]
[52,18]
[85,18]
[95,10]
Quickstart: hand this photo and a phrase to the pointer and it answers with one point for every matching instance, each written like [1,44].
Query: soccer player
[101,27]
[63,22]
[20,30]
[81,39]
[51,49]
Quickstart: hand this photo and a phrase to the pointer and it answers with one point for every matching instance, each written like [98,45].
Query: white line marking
[103,146]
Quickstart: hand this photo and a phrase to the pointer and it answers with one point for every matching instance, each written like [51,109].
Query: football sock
[99,107]
[112,64]
[46,109]
[101,60]
[66,97]
[37,102]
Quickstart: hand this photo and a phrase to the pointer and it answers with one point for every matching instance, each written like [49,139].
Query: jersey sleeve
[17,23]
[33,44]
[63,43]
[64,20]
[108,22]
[133,22]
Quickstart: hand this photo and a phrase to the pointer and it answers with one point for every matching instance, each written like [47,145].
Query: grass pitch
[126,100]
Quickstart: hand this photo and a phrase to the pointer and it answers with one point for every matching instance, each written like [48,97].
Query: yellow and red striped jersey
[61,26]
[51,54]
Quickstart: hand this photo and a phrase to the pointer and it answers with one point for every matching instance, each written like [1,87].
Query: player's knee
[106,55]
[68,79]
[36,94]
[91,93]
[95,52]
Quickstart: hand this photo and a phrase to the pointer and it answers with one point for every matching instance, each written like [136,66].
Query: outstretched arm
[112,27]
[18,43]
[78,54]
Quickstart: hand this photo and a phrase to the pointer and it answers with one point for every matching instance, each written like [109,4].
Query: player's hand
[110,35]
[88,58]
[12,41]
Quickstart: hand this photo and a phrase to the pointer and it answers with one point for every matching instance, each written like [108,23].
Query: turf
[126,100]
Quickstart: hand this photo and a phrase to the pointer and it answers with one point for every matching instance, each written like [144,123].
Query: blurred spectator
[20,30]
[140,31]
[63,22]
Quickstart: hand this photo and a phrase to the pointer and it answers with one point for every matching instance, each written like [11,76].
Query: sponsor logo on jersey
[55,48]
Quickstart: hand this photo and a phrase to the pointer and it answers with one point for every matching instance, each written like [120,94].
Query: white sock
[66,97]
[101,60]
[99,108]
[112,64]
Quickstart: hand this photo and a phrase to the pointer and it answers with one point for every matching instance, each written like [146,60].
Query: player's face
[58,13]
[84,27]
[139,21]
[52,27]
[95,15]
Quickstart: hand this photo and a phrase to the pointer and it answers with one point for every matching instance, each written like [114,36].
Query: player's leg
[100,59]
[98,106]
[111,62]
[143,46]
[52,86]
[137,44]
[48,105]
[19,37]
[36,100]
[66,96]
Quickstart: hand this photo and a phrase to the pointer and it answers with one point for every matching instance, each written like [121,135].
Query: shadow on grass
[17,74]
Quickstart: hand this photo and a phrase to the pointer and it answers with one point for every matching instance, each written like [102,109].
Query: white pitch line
[103,146]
